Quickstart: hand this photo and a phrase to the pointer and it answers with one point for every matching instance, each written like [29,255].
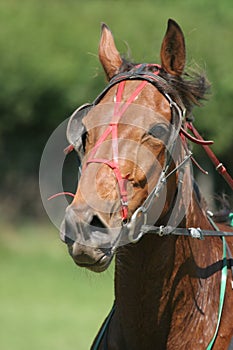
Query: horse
[137,201]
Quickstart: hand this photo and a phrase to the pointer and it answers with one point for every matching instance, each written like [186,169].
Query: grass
[46,302]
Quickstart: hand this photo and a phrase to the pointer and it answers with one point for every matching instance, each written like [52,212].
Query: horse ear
[108,53]
[173,49]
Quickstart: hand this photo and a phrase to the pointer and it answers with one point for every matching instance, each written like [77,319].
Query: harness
[178,115]
[138,221]
[112,129]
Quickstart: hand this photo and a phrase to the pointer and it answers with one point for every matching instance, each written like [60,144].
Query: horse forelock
[191,88]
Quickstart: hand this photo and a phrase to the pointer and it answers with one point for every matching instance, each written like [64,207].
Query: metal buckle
[195,232]
[161,231]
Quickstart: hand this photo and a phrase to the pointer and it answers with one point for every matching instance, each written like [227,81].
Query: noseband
[139,72]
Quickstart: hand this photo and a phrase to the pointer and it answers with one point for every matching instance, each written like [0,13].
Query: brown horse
[136,172]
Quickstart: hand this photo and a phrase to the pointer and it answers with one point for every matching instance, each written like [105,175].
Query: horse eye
[159,131]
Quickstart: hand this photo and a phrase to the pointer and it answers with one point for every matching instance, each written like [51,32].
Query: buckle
[195,232]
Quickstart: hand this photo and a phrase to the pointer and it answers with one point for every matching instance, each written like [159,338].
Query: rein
[219,167]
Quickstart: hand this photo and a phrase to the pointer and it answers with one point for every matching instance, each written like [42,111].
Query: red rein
[205,144]
[61,194]
[196,140]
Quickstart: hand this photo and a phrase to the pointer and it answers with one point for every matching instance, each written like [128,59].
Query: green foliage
[49,65]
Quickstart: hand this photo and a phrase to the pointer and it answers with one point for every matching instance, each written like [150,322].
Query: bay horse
[136,173]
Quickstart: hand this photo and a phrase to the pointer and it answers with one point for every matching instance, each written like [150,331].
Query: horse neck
[151,277]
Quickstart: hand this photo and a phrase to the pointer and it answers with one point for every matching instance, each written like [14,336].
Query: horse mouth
[101,265]
[90,246]
[93,260]
[98,266]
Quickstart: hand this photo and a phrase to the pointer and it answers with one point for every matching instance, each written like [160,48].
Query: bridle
[135,227]
[112,129]
[178,114]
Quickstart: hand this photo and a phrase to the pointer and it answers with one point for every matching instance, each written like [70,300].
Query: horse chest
[161,300]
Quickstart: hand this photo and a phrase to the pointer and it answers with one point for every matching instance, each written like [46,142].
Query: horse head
[124,140]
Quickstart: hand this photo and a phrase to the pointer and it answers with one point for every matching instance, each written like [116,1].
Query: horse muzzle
[90,243]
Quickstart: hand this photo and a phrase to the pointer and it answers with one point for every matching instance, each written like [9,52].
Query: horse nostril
[97,222]
[92,233]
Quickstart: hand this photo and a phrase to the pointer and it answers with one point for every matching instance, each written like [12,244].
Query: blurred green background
[49,66]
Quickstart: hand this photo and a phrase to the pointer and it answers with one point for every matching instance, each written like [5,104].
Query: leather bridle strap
[218,165]
[112,129]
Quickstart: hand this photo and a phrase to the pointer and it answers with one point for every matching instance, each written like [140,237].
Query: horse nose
[73,228]
[97,222]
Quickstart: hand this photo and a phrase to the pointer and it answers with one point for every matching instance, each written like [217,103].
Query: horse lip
[99,266]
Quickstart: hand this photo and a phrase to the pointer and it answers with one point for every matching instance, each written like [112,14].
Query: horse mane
[191,88]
